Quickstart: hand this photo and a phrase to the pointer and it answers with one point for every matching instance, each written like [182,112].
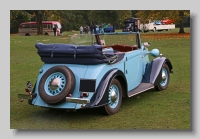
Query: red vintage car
[167,21]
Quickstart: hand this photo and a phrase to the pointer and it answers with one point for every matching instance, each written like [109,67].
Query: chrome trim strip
[141,91]
[77,100]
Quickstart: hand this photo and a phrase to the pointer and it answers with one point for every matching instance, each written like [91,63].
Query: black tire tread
[159,87]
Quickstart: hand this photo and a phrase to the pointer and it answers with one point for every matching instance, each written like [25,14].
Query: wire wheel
[114,98]
[165,78]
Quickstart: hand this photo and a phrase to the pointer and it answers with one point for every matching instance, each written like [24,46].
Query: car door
[134,66]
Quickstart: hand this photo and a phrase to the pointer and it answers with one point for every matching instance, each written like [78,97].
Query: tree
[80,18]
[41,15]
[177,15]
[114,17]
[68,19]
[17,17]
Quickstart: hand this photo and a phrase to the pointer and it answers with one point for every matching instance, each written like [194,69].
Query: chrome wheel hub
[163,76]
[113,96]
[55,83]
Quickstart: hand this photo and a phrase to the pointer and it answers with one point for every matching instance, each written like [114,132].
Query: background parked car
[157,22]
[167,21]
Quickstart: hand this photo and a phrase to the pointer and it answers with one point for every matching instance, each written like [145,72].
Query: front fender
[153,70]
[100,98]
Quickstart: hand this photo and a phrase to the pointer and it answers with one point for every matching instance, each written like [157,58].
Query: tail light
[83,106]
[69,95]
[21,100]
[84,94]
[28,88]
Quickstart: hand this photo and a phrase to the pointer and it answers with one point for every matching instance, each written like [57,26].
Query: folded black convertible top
[73,54]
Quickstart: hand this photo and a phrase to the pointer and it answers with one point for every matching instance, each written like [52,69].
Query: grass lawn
[169,109]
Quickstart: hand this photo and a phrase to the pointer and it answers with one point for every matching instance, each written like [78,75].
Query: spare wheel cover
[56,84]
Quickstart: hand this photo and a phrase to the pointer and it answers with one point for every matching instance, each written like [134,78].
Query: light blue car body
[132,68]
[133,75]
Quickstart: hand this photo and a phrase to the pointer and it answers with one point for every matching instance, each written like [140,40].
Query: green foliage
[114,17]
[73,19]
[17,17]
[163,14]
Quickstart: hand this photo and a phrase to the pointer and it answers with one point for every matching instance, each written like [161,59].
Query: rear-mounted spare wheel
[56,84]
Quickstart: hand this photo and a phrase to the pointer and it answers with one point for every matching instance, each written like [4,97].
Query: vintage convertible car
[96,70]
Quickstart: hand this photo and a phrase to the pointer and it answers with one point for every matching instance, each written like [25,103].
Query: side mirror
[146,44]
[155,52]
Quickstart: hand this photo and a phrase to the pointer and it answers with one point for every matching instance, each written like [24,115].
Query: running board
[141,88]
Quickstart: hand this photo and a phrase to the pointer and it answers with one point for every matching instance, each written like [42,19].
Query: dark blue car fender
[153,73]
[100,98]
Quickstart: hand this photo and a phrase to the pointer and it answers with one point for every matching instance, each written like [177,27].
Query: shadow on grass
[140,97]
[90,112]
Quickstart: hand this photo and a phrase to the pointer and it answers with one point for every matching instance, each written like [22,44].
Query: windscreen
[108,39]
[123,39]
[81,39]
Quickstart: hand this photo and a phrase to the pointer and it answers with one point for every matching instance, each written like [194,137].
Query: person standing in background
[91,28]
[58,31]
[61,31]
[94,27]
[88,29]
[81,30]
[85,30]
[55,30]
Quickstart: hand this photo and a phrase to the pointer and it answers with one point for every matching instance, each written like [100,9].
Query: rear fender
[100,98]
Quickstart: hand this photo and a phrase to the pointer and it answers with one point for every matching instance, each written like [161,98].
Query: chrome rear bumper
[77,100]
[68,99]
